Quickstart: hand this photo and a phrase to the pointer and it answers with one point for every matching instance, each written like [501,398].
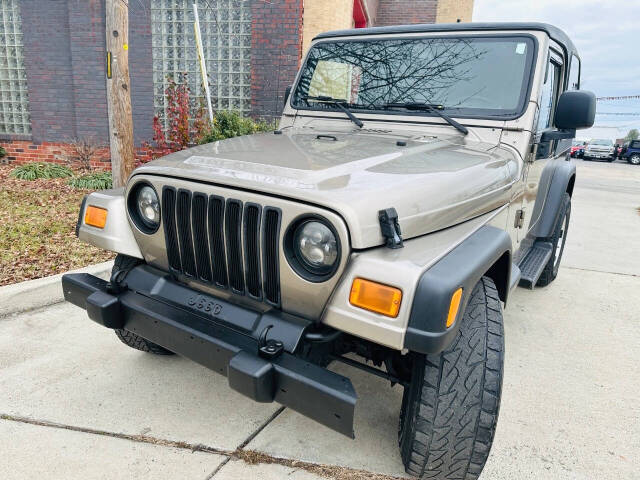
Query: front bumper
[223,337]
[598,154]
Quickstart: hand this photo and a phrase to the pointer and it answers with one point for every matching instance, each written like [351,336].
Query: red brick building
[52,59]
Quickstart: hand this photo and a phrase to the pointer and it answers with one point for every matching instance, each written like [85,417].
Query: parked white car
[600,148]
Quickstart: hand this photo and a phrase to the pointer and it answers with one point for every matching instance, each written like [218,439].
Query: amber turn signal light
[95,216]
[375,297]
[454,306]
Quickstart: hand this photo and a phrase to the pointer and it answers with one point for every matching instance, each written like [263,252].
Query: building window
[225,26]
[14,109]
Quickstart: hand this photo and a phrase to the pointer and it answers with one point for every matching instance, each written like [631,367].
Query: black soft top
[554,32]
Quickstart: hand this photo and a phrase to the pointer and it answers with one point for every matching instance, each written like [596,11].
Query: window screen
[225,27]
[14,110]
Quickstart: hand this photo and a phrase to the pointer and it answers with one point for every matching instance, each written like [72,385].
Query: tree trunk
[118,91]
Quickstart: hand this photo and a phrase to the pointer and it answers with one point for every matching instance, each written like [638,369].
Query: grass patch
[92,181]
[37,229]
[36,170]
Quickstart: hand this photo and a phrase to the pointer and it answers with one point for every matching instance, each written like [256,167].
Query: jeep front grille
[223,242]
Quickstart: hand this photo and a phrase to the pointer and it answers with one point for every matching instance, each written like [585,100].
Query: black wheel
[634,159]
[123,264]
[558,240]
[450,410]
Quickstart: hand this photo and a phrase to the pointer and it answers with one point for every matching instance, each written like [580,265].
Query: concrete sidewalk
[76,403]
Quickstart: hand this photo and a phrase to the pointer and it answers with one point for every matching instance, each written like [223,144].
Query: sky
[607,36]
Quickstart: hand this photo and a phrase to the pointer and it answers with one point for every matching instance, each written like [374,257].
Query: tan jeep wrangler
[419,173]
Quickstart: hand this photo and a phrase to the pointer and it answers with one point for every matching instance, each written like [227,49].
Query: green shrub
[93,181]
[32,171]
[3,152]
[228,124]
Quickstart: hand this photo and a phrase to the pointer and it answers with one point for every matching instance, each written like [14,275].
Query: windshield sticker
[520,48]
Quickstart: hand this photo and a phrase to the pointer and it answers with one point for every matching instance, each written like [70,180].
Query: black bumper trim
[313,391]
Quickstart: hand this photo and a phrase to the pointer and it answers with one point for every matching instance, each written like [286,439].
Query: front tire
[450,410]
[123,264]
[634,159]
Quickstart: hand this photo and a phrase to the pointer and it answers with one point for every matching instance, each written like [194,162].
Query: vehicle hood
[432,182]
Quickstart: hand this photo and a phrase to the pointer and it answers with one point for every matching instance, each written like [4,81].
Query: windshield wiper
[429,107]
[338,103]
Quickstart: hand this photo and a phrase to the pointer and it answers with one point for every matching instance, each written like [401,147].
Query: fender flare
[564,175]
[487,252]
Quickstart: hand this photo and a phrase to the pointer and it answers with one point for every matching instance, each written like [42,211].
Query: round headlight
[148,206]
[313,248]
[316,246]
[144,208]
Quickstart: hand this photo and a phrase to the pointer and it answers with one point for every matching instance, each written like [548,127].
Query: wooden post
[119,91]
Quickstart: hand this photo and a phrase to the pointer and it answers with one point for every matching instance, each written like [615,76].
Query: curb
[42,292]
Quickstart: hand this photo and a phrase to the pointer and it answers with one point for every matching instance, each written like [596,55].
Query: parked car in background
[577,149]
[631,152]
[601,148]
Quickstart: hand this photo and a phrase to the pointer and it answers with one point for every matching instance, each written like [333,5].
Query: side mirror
[576,109]
[287,92]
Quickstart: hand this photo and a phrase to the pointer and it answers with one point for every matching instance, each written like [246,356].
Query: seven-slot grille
[223,242]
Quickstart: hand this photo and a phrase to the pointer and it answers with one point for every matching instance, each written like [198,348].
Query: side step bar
[533,264]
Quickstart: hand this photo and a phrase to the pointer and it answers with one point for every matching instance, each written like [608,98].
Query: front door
[535,185]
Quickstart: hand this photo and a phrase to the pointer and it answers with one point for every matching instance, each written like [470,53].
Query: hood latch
[390,227]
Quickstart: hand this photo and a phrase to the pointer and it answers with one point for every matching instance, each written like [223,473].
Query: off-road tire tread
[549,274]
[124,262]
[451,418]
[134,341]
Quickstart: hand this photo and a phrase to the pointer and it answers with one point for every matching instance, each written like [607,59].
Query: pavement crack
[260,428]
[603,271]
[249,457]
[218,468]
[334,472]
[163,442]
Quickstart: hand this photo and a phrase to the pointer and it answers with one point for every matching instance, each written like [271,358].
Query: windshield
[608,143]
[466,76]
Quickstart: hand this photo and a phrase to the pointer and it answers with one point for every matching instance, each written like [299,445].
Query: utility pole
[119,91]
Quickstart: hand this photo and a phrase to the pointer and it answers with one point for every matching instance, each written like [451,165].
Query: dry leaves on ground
[37,229]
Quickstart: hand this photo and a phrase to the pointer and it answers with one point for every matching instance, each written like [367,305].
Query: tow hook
[269,349]
[116,283]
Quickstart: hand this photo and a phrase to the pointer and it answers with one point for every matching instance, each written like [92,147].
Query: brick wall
[47,58]
[276,40]
[141,69]
[25,151]
[404,12]
[87,47]
[64,55]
